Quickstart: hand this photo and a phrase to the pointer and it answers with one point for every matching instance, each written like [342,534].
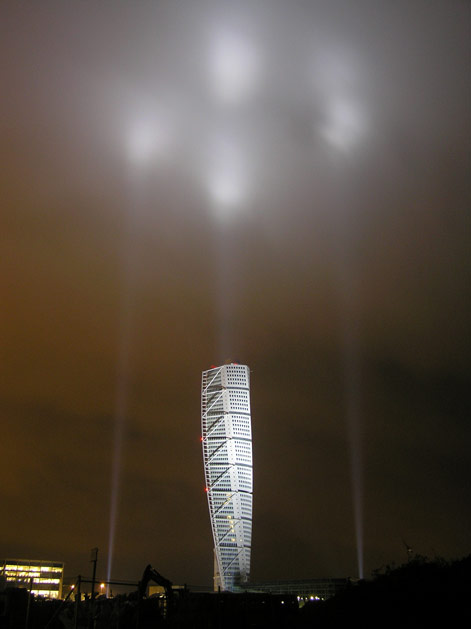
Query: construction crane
[150,574]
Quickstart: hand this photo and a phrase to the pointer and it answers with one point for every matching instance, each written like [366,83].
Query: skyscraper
[227,454]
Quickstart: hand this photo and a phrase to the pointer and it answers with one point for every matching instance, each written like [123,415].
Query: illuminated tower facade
[227,454]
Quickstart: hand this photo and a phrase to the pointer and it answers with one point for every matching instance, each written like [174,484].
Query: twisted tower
[227,454]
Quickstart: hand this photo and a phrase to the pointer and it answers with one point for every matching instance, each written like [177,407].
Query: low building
[41,577]
[304,589]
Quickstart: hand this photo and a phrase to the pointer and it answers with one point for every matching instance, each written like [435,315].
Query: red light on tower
[206,489]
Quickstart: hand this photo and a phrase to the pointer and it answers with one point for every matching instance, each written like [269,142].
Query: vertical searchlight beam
[227,456]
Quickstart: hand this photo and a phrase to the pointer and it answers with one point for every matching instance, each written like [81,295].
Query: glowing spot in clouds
[233,68]
[147,139]
[344,125]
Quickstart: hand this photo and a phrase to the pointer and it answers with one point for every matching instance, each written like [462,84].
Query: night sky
[283,184]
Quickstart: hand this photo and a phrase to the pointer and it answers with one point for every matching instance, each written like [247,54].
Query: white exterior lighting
[227,456]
